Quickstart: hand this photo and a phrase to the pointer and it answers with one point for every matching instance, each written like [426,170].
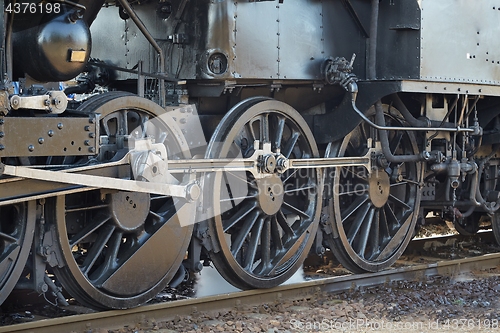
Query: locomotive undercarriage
[290,154]
[257,238]
[266,167]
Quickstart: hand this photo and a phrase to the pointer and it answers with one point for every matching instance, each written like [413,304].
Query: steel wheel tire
[17,225]
[121,248]
[263,236]
[373,215]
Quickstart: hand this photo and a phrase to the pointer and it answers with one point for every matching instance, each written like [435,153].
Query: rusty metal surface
[164,311]
[47,136]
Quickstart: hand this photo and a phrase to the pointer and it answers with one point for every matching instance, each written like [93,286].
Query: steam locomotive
[141,140]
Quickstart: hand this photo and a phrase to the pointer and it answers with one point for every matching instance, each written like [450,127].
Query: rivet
[31,147]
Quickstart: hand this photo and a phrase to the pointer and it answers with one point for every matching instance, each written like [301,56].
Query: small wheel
[17,225]
[374,212]
[121,248]
[495,226]
[263,226]
[469,225]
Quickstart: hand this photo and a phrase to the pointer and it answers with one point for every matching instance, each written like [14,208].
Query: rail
[165,311]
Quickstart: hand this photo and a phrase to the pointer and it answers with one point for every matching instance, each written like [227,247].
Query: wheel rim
[264,232]
[469,225]
[17,225]
[373,214]
[122,248]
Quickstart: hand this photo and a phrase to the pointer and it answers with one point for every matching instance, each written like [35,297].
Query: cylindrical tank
[57,48]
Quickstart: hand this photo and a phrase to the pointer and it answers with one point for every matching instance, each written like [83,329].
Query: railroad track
[166,311]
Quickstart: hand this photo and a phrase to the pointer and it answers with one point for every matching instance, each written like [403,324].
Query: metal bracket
[54,102]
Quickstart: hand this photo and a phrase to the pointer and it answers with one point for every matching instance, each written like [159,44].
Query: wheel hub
[379,187]
[270,196]
[129,209]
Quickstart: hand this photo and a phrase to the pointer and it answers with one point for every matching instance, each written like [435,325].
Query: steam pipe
[130,11]
[384,139]
[398,103]
[381,126]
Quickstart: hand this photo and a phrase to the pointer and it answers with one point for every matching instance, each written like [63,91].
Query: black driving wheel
[373,212]
[468,225]
[121,248]
[17,225]
[263,225]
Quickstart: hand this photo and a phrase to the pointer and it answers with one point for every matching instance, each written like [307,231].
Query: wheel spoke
[290,175]
[85,209]
[266,244]
[238,198]
[276,236]
[355,205]
[231,198]
[251,131]
[238,177]
[374,239]
[98,221]
[365,232]
[385,231]
[295,210]
[356,172]
[122,122]
[363,190]
[154,216]
[404,182]
[110,259]
[264,128]
[399,202]
[242,212]
[8,238]
[96,249]
[280,127]
[144,120]
[396,240]
[292,141]
[364,134]
[303,188]
[243,232]
[105,125]
[392,220]
[253,245]
[281,219]
[395,142]
[358,221]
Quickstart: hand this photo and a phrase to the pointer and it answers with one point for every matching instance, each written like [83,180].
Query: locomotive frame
[237,133]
